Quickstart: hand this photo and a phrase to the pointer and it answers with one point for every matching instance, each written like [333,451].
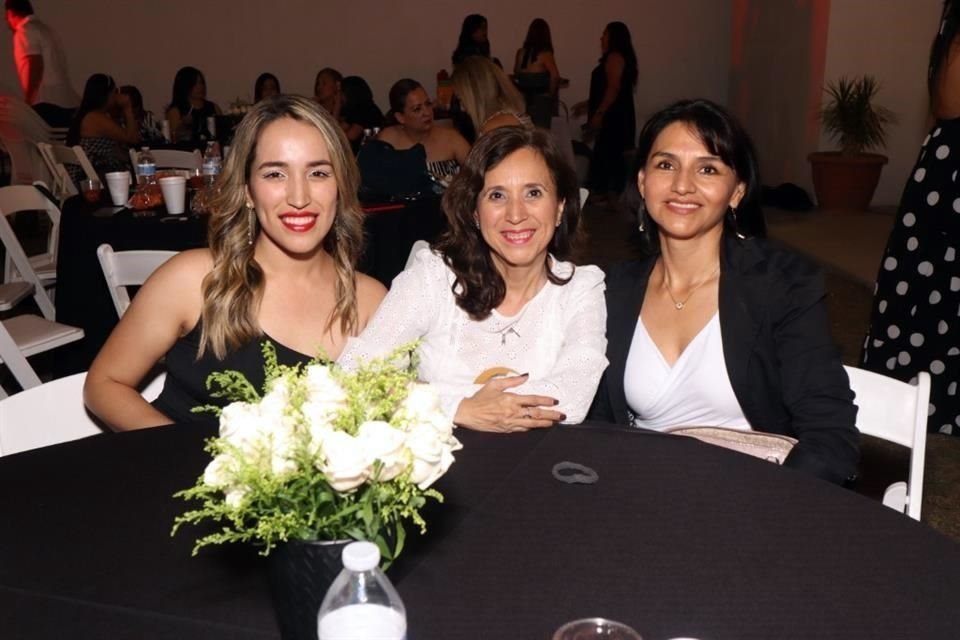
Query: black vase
[300,573]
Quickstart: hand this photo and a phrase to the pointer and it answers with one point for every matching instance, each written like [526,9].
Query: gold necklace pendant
[680,304]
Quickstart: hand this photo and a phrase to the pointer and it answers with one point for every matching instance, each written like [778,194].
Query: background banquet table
[82,298]
[676,538]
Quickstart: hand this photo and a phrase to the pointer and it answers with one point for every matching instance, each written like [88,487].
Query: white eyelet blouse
[558,337]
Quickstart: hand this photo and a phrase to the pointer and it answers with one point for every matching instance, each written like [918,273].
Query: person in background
[914,325]
[327,91]
[488,96]
[714,326]
[150,132]
[610,112]
[358,111]
[189,107]
[266,86]
[510,332]
[41,65]
[105,126]
[534,61]
[285,232]
[412,110]
[473,39]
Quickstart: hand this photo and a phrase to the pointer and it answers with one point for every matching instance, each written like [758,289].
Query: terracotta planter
[845,181]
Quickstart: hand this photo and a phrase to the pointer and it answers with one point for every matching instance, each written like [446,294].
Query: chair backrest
[584,194]
[28,198]
[171,158]
[62,154]
[896,411]
[62,185]
[52,413]
[125,268]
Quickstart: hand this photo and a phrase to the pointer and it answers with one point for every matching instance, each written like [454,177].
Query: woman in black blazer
[710,285]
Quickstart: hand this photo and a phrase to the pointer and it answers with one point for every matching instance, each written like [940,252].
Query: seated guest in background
[189,107]
[266,86]
[104,126]
[326,90]
[488,96]
[473,39]
[715,327]
[285,232]
[150,131]
[358,111]
[412,110]
[511,334]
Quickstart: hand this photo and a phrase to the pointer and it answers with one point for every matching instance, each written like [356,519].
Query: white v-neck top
[558,337]
[695,391]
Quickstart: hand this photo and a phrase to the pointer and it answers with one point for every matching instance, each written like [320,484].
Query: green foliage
[271,507]
[851,119]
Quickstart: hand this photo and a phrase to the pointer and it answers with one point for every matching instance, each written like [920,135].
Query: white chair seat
[33,334]
[11,293]
[45,266]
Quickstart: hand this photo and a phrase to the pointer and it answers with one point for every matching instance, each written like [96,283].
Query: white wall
[144,42]
[889,39]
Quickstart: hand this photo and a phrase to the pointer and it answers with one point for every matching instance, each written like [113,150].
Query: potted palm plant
[846,179]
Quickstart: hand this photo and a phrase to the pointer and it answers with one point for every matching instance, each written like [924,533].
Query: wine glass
[595,629]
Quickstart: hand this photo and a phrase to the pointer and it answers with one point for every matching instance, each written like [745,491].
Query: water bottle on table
[146,168]
[361,603]
[212,162]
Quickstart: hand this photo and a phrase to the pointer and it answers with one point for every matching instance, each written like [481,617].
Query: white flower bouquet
[324,454]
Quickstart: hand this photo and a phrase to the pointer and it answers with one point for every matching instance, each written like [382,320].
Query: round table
[677,538]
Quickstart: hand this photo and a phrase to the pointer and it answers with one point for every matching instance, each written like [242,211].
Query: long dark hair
[479,287]
[96,94]
[466,46]
[619,41]
[725,138]
[947,32]
[538,40]
[262,79]
[358,97]
[183,82]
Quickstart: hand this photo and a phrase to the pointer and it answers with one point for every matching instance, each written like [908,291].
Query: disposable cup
[118,183]
[174,190]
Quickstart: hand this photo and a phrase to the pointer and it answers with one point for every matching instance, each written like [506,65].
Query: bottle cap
[361,556]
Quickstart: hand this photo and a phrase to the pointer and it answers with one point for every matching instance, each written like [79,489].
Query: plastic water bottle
[211,161]
[361,603]
[146,168]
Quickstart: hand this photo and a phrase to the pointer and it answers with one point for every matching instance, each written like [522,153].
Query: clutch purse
[771,447]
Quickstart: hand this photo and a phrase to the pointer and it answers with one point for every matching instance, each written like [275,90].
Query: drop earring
[640,214]
[736,227]
[251,221]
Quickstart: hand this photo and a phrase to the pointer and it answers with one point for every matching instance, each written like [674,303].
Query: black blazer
[780,357]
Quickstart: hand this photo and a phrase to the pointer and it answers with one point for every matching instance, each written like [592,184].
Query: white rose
[235,496]
[345,464]
[385,443]
[421,402]
[218,473]
[278,427]
[432,454]
[325,396]
[240,426]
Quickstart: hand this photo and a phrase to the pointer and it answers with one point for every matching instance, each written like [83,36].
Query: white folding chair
[584,194]
[171,158]
[897,412]
[26,335]
[52,413]
[125,268]
[56,156]
[40,270]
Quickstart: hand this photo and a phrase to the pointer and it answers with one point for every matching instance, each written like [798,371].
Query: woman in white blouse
[511,334]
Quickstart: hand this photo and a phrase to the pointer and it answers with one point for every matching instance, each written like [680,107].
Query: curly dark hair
[478,287]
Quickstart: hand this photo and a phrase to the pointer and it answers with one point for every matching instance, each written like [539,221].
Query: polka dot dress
[915,325]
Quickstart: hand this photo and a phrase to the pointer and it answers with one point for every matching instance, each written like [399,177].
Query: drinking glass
[195,178]
[595,629]
[91,188]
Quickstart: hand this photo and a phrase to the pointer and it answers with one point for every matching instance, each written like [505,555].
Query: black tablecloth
[82,297]
[676,538]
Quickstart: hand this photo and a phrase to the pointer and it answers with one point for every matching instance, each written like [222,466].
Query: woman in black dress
[914,326]
[189,107]
[610,110]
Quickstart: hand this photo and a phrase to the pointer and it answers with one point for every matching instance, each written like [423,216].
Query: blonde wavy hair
[233,289]
[484,89]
